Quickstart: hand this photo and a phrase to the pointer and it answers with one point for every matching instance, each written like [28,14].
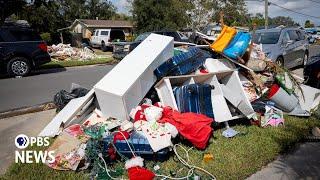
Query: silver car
[288,47]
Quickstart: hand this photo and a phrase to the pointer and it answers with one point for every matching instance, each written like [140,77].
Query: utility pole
[266,14]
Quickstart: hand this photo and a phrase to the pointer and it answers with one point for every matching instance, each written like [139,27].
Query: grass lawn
[235,158]
[74,62]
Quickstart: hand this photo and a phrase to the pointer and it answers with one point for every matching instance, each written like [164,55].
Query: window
[96,33]
[301,35]
[175,36]
[117,34]
[142,37]
[182,35]
[293,35]
[266,38]
[25,35]
[104,33]
[286,37]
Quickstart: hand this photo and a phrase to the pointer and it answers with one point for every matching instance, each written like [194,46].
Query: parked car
[21,50]
[103,37]
[121,49]
[311,38]
[312,72]
[288,47]
[209,33]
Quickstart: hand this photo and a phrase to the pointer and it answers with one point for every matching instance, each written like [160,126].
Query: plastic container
[282,99]
[238,45]
[223,39]
[139,144]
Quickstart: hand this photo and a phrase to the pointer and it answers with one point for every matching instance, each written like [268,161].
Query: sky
[310,7]
[123,6]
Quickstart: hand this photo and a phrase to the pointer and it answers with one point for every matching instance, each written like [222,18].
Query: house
[84,28]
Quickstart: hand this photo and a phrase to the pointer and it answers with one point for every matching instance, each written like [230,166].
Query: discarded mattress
[238,45]
[224,39]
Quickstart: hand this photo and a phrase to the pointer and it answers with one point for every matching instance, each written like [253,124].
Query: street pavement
[40,88]
[28,124]
[303,163]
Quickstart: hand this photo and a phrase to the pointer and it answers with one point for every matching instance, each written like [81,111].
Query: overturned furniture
[223,83]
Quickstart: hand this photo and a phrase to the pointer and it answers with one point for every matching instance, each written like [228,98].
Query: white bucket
[282,99]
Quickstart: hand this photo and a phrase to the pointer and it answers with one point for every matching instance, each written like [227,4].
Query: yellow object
[207,157]
[224,39]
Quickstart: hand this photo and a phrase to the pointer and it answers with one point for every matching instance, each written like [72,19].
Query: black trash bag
[62,98]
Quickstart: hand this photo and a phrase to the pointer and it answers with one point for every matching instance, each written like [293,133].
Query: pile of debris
[158,95]
[64,52]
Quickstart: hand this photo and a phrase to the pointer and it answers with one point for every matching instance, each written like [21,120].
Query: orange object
[207,157]
[224,39]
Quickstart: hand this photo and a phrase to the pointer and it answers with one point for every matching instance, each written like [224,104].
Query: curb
[75,67]
[27,110]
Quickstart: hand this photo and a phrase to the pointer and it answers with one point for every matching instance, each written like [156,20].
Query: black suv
[21,50]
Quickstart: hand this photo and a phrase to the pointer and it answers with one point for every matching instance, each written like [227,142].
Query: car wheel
[18,66]
[305,59]
[103,47]
[280,61]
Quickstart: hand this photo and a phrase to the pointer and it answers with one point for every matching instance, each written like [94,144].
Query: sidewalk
[28,124]
[303,163]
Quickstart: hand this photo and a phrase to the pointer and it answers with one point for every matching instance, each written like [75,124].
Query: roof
[277,29]
[103,23]
[99,24]
[270,30]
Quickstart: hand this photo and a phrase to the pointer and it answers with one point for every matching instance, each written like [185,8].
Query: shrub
[46,37]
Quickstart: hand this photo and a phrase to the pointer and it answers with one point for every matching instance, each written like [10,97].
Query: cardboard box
[127,83]
[227,87]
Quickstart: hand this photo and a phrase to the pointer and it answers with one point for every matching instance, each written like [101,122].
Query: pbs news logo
[30,156]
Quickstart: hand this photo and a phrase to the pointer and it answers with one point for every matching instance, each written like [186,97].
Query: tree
[258,19]
[201,12]
[43,16]
[10,7]
[159,14]
[276,21]
[100,9]
[235,12]
[308,24]
[281,20]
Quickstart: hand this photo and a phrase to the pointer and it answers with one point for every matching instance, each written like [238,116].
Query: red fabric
[139,115]
[140,173]
[74,130]
[112,153]
[204,71]
[119,136]
[273,90]
[194,127]
[158,104]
